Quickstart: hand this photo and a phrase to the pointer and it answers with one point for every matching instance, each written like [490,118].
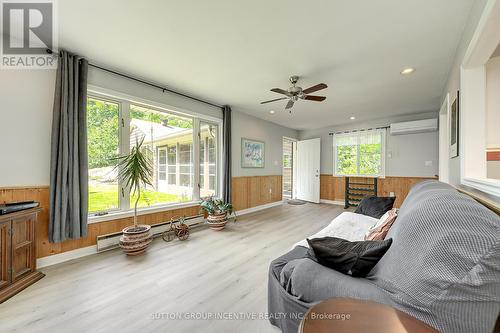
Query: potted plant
[217,211]
[182,229]
[135,170]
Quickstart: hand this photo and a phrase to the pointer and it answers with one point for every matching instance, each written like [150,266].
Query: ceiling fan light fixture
[352,118]
[295,93]
[272,112]
[408,71]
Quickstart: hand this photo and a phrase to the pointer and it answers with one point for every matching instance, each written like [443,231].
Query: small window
[360,153]
[172,165]
[162,164]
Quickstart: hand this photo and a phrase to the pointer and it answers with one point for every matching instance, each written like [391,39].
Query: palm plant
[136,171]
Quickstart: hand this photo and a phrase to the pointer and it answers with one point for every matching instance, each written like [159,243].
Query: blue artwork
[252,153]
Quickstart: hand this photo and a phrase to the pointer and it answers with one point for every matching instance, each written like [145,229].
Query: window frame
[358,133]
[121,151]
[124,102]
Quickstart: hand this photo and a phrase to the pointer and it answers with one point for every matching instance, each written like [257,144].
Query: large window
[360,153]
[116,125]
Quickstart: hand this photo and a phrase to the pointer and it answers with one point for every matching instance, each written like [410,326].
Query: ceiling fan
[294,93]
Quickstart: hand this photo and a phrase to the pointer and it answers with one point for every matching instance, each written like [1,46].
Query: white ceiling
[233,52]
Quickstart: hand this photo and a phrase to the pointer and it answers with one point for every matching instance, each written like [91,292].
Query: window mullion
[124,150]
[358,157]
[196,159]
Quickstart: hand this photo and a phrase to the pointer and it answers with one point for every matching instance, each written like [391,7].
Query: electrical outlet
[391,194]
[428,163]
[270,191]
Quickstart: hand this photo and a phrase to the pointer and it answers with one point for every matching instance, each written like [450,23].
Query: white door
[308,164]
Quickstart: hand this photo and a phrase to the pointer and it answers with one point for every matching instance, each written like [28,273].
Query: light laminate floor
[211,273]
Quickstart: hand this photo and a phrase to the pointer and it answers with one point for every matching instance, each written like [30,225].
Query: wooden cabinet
[17,252]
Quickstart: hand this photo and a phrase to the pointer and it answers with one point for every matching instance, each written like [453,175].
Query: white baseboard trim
[257,208]
[66,256]
[86,251]
[332,202]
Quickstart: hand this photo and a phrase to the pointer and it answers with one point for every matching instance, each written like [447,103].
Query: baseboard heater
[111,241]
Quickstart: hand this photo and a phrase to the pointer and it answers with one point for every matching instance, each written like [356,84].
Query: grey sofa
[443,267]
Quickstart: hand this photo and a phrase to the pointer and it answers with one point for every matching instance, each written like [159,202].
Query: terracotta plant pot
[217,221]
[135,240]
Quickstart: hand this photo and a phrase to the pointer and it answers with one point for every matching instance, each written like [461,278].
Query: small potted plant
[136,171]
[217,211]
[182,229]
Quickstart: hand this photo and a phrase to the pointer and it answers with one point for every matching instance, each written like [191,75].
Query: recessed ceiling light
[271,112]
[407,71]
[352,118]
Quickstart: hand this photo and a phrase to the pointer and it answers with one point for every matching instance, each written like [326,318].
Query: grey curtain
[226,132]
[68,163]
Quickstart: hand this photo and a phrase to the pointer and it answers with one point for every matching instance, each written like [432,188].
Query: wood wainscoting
[44,248]
[248,192]
[333,188]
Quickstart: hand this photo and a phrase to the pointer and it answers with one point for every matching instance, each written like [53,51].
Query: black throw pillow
[351,258]
[374,206]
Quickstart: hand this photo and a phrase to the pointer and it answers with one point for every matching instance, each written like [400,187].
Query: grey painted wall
[246,126]
[409,152]
[26,103]
[454,77]
[26,119]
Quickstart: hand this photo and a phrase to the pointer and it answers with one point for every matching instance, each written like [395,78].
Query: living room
[244,166]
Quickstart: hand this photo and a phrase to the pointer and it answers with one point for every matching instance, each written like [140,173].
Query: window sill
[142,211]
[359,176]
[488,186]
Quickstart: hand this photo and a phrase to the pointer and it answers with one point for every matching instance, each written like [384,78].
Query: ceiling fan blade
[281,91]
[274,100]
[315,98]
[289,104]
[315,88]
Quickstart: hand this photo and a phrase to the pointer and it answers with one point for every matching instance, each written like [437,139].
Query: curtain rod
[49,51]
[358,130]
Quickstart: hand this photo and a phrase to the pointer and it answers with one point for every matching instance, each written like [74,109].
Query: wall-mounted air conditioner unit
[417,126]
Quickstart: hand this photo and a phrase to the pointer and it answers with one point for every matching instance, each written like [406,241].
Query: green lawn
[104,197]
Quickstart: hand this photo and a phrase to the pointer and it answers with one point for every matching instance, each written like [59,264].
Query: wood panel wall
[248,192]
[333,188]
[44,248]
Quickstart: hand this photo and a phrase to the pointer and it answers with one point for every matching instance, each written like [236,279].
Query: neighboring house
[171,156]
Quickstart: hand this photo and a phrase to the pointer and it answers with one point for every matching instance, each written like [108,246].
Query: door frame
[294,164]
[444,132]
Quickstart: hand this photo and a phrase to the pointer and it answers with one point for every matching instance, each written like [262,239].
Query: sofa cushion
[351,258]
[311,282]
[374,206]
[380,230]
